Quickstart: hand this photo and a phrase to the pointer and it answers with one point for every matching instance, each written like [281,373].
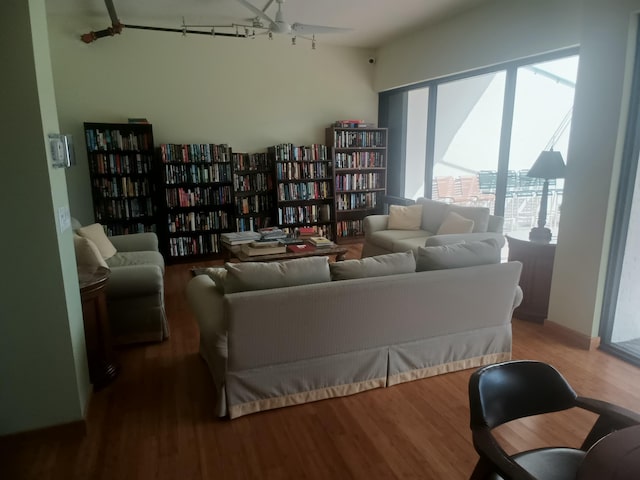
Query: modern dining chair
[508,391]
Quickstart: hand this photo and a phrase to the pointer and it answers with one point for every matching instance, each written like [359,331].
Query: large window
[471,139]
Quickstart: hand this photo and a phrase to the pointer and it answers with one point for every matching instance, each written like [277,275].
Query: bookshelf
[198,198]
[359,157]
[254,191]
[123,177]
[304,187]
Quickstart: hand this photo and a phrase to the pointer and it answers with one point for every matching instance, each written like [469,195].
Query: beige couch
[379,239]
[293,344]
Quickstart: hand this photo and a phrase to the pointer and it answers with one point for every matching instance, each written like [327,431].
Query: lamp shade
[548,165]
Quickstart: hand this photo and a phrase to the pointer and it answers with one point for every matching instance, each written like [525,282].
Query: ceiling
[373,22]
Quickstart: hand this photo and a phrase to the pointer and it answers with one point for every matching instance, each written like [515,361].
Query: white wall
[43,365]
[504,30]
[197,89]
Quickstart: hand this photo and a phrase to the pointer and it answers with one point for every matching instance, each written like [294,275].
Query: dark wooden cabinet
[535,281]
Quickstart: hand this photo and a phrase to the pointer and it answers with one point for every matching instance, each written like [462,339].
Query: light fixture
[548,165]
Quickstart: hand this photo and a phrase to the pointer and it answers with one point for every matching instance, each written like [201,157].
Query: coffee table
[235,252]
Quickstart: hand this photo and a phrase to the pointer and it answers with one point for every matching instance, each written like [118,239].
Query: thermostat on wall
[61,150]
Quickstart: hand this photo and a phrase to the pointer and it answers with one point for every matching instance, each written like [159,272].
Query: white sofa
[379,239]
[284,346]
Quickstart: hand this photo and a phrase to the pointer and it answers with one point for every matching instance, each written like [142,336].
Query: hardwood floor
[156,420]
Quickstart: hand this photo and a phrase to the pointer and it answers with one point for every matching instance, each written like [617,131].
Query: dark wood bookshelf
[123,176]
[304,187]
[253,184]
[359,158]
[197,198]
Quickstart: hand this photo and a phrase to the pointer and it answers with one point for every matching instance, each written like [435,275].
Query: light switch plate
[64,218]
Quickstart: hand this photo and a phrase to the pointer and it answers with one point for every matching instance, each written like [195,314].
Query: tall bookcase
[304,187]
[123,176]
[359,158]
[253,184]
[198,198]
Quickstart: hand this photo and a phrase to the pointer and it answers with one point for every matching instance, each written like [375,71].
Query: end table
[103,368]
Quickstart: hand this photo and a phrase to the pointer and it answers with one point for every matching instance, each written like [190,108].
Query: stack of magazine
[239,238]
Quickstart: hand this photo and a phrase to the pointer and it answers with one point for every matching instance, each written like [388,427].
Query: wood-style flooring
[156,420]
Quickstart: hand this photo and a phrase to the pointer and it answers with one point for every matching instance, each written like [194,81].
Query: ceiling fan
[279,25]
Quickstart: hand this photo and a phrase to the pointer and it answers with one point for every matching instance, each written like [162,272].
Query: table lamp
[548,165]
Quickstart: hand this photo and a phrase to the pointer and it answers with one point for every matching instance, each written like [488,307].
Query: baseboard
[571,337]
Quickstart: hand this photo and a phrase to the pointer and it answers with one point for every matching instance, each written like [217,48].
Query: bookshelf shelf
[359,157]
[123,176]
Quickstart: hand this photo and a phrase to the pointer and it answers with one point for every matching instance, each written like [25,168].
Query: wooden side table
[103,368]
[535,280]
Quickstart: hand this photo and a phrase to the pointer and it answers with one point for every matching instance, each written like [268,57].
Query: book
[320,241]
[291,241]
[252,252]
[271,233]
[262,243]
[305,247]
[238,238]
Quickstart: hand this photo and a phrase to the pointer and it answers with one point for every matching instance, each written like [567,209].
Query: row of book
[254,204]
[302,171]
[198,196]
[126,229]
[120,164]
[352,201]
[354,139]
[122,187]
[216,173]
[303,214]
[254,182]
[373,159]
[194,245]
[353,124]
[243,162]
[288,152]
[195,153]
[111,209]
[359,181]
[197,221]
[114,139]
[349,228]
[304,191]
[248,224]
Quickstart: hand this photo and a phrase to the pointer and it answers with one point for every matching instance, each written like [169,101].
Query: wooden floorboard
[156,420]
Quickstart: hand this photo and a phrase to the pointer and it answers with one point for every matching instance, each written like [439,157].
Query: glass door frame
[622,217]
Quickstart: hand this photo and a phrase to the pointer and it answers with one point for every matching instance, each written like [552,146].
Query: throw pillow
[263,275]
[219,277]
[96,234]
[378,266]
[458,255]
[405,218]
[479,215]
[454,223]
[433,214]
[87,254]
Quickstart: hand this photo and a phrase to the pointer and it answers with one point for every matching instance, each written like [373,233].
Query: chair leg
[481,471]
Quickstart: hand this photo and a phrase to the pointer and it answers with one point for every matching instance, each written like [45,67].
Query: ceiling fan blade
[303,29]
[256,10]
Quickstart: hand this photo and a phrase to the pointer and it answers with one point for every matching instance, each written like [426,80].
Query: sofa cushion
[219,277]
[87,253]
[410,244]
[433,213]
[479,215]
[95,233]
[264,275]
[387,239]
[378,266]
[125,259]
[405,218]
[458,255]
[455,223]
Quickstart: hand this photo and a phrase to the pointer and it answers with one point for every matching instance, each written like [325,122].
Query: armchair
[135,290]
[379,239]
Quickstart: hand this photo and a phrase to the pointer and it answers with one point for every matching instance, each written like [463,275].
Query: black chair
[508,391]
